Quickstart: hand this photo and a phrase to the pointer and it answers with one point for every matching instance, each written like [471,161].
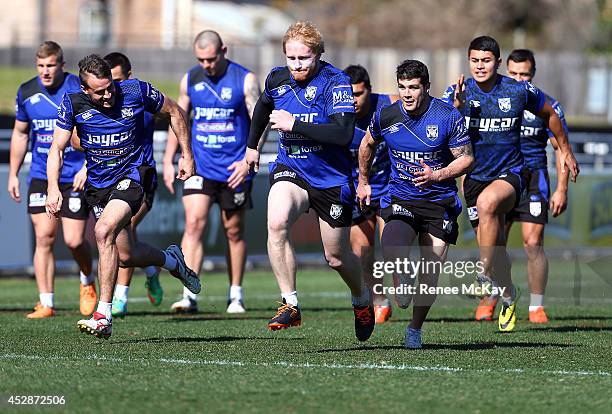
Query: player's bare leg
[397,240]
[537,269]
[233,224]
[45,230]
[74,237]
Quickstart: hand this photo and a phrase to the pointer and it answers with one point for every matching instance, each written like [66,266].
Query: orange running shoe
[382,313]
[485,309]
[37,306]
[41,312]
[88,299]
[538,315]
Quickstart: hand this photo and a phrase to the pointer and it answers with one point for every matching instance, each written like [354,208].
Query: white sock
[87,279]
[290,298]
[46,299]
[105,309]
[534,308]
[121,292]
[187,294]
[170,263]
[536,300]
[364,299]
[508,300]
[150,271]
[235,292]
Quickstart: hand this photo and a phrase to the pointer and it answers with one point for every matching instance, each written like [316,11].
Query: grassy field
[11,77]
[214,362]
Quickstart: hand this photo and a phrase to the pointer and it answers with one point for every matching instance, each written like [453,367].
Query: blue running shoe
[119,309]
[413,339]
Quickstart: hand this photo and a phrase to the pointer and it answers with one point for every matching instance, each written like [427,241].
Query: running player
[364,222]
[532,210]
[310,103]
[493,107]
[221,95]
[37,103]
[121,70]
[108,118]
[429,147]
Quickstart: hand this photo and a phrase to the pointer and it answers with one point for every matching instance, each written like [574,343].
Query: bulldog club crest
[226,94]
[432,132]
[311,91]
[335,211]
[504,104]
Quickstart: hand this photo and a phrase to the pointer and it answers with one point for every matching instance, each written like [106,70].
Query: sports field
[212,362]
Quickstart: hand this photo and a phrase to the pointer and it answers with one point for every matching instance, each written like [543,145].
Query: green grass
[213,362]
[11,77]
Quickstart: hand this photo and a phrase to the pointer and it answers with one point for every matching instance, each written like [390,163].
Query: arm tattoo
[251,93]
[464,150]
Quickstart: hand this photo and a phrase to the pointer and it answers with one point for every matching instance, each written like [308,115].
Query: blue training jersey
[113,138]
[220,121]
[428,137]
[147,148]
[494,122]
[535,135]
[381,165]
[327,93]
[38,106]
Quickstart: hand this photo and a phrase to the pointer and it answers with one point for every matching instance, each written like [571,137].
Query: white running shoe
[235,306]
[185,305]
[98,326]
[183,273]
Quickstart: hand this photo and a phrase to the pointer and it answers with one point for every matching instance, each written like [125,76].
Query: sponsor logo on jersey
[153,93]
[74,204]
[226,94]
[35,99]
[86,115]
[528,131]
[213,113]
[415,156]
[335,211]
[558,111]
[472,213]
[474,104]
[127,112]
[431,132]
[535,208]
[107,140]
[281,90]
[215,127]
[491,124]
[401,211]
[124,184]
[195,182]
[311,92]
[239,198]
[306,117]
[504,104]
[199,86]
[282,174]
[529,116]
[343,97]
[97,210]
[37,200]
[46,124]
[531,88]
[393,129]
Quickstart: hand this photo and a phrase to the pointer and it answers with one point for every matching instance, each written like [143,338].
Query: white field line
[285,364]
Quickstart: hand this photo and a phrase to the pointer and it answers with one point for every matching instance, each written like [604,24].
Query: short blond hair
[307,33]
[50,48]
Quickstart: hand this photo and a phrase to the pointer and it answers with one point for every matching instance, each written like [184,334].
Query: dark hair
[119,59]
[523,55]
[412,69]
[93,65]
[358,74]
[486,44]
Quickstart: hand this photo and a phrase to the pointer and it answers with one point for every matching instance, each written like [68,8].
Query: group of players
[357,158]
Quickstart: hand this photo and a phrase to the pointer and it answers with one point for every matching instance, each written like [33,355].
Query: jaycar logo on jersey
[311,92]
[432,132]
[226,94]
[504,104]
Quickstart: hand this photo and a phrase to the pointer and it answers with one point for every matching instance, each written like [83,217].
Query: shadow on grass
[454,347]
[189,339]
[572,329]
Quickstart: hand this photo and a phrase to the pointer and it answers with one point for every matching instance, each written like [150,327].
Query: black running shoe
[286,316]
[364,321]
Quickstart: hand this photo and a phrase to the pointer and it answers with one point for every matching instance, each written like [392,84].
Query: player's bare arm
[172,143]
[566,155]
[55,160]
[367,149]
[179,126]
[19,148]
[558,200]
[462,164]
